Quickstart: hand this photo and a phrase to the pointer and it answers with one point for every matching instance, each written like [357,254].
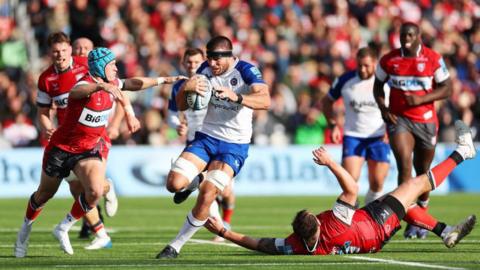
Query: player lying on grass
[345,230]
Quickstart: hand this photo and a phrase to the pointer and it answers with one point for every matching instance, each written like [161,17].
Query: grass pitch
[143,226]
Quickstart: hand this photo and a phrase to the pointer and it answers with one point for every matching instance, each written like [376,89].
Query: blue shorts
[209,149]
[369,148]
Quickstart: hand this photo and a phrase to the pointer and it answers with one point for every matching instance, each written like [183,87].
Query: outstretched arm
[265,245]
[139,83]
[346,181]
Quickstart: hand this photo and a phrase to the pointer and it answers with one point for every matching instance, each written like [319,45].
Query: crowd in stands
[301,46]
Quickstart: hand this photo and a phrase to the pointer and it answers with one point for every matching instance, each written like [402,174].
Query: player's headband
[218,54]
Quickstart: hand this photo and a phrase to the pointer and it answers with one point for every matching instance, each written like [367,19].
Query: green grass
[144,225]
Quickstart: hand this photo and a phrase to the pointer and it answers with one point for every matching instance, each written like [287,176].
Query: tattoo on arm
[267,245]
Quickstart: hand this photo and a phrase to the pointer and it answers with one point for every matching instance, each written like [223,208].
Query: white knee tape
[185,168]
[219,178]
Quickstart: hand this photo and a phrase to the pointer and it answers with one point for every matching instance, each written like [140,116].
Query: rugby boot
[459,231]
[63,239]
[167,253]
[464,140]
[23,236]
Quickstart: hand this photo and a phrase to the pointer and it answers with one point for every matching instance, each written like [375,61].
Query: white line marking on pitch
[414,264]
[387,261]
[210,265]
[200,241]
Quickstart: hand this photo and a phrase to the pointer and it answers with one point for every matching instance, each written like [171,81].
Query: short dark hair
[305,225]
[57,37]
[192,51]
[407,25]
[366,51]
[219,42]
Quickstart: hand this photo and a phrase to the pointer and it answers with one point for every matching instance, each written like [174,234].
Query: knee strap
[186,168]
[219,178]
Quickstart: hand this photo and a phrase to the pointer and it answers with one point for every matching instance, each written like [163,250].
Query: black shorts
[381,210]
[425,133]
[59,163]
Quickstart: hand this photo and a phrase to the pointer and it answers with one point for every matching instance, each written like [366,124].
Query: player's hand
[223,92]
[173,79]
[413,100]
[182,129]
[336,135]
[214,225]
[132,123]
[113,132]
[48,133]
[113,89]
[389,117]
[196,84]
[321,156]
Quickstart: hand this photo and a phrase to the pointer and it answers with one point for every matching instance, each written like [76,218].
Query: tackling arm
[265,245]
[140,83]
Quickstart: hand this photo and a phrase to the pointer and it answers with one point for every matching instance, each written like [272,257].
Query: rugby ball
[197,102]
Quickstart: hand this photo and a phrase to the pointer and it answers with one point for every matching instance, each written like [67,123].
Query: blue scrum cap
[98,59]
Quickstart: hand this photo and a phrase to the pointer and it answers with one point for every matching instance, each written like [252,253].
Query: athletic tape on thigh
[219,178]
[185,168]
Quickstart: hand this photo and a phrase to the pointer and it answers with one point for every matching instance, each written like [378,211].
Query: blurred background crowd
[300,46]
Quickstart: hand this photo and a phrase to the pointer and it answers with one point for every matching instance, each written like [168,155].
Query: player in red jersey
[345,230]
[54,86]
[79,145]
[417,76]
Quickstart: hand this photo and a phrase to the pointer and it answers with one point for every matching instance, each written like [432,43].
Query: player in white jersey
[189,122]
[364,128]
[223,141]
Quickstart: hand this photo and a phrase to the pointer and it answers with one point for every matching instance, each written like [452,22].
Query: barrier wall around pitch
[142,171]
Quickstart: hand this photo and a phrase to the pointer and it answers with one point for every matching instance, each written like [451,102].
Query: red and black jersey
[85,121]
[344,230]
[54,86]
[412,76]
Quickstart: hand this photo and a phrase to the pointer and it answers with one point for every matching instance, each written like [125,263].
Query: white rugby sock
[372,196]
[67,223]
[190,227]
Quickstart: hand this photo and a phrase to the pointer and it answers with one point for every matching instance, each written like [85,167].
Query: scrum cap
[98,59]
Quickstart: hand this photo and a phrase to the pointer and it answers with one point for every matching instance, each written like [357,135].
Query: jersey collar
[418,51]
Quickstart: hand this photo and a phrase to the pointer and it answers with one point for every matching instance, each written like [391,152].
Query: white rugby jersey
[363,118]
[225,120]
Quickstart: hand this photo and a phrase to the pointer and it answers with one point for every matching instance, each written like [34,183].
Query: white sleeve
[380,74]
[282,247]
[43,98]
[172,119]
[343,211]
[441,74]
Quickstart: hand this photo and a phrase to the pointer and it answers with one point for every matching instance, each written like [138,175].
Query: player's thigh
[402,140]
[91,174]
[47,188]
[425,141]
[188,165]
